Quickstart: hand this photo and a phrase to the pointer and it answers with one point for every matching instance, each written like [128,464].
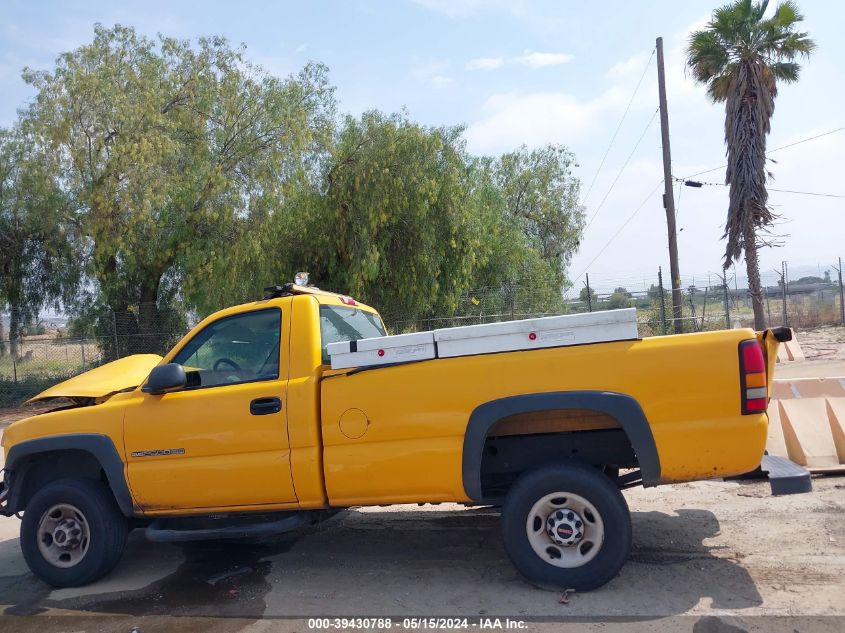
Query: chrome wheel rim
[63,535]
[565,530]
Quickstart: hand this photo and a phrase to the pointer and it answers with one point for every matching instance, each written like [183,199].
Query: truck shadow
[426,562]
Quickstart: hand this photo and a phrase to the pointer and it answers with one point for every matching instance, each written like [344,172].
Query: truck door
[222,441]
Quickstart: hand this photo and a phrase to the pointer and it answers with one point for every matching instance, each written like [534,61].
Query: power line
[699,183]
[812,138]
[678,205]
[772,151]
[808,193]
[622,169]
[618,127]
[619,230]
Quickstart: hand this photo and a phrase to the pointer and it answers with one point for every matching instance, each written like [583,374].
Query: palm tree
[742,57]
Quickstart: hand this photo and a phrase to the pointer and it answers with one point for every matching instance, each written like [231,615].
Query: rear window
[339,323]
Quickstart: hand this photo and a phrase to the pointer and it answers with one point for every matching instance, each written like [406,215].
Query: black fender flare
[99,446]
[623,408]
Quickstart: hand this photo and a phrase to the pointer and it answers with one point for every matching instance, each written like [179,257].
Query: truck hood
[105,380]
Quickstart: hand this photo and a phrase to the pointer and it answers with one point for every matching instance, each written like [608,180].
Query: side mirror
[165,378]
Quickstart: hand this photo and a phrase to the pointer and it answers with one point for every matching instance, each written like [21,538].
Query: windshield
[347,324]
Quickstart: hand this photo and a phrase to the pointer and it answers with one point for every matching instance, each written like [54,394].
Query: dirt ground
[723,550]
[711,557]
[823,344]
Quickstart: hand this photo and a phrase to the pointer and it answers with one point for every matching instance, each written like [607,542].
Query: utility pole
[589,298]
[783,292]
[727,302]
[841,293]
[669,195]
[662,301]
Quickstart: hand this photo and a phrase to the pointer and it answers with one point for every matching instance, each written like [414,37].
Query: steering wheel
[226,361]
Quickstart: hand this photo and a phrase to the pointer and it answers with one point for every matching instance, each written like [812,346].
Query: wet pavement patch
[25,594]
[216,578]
[220,578]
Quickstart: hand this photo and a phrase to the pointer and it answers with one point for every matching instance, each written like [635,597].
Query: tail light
[752,375]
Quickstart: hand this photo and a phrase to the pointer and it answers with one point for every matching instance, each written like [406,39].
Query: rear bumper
[786,477]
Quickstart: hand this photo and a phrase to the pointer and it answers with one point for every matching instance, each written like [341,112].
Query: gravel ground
[723,550]
[823,344]
[711,557]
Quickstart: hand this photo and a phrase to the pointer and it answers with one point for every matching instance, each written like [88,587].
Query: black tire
[590,484]
[107,529]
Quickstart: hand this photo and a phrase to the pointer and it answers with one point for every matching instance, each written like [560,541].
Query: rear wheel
[72,532]
[566,526]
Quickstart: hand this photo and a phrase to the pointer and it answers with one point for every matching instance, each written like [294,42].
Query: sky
[520,72]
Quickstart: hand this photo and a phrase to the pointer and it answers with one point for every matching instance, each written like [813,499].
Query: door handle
[265,406]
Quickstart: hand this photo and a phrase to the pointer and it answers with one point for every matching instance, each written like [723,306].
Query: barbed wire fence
[45,357]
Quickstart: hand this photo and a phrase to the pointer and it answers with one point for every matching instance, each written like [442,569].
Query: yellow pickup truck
[244,429]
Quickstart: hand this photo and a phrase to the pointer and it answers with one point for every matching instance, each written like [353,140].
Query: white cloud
[301,48]
[432,73]
[441,81]
[528,58]
[463,8]
[485,63]
[541,60]
[631,67]
[540,17]
[511,119]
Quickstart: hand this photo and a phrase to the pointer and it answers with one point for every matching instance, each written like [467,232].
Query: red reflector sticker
[381,352]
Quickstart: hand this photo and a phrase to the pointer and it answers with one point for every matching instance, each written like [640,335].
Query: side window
[240,348]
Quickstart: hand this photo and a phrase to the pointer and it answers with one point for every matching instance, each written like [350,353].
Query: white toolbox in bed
[554,331]
[383,350]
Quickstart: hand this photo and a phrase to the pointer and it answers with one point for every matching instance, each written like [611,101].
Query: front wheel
[566,526]
[72,532]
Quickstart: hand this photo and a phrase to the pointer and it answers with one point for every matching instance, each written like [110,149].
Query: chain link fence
[35,362]
[703,307]
[54,349]
[40,361]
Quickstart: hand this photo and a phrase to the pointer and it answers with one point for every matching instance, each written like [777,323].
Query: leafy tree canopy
[196,179]
[163,145]
[38,234]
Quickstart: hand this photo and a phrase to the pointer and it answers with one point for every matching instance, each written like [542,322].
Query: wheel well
[613,415]
[39,469]
[522,441]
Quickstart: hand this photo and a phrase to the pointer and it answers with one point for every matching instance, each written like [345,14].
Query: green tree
[39,252]
[654,292]
[620,298]
[588,293]
[527,204]
[391,227]
[169,149]
[742,56]
[541,196]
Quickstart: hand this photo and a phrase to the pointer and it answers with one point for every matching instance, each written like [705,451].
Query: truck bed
[404,426]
